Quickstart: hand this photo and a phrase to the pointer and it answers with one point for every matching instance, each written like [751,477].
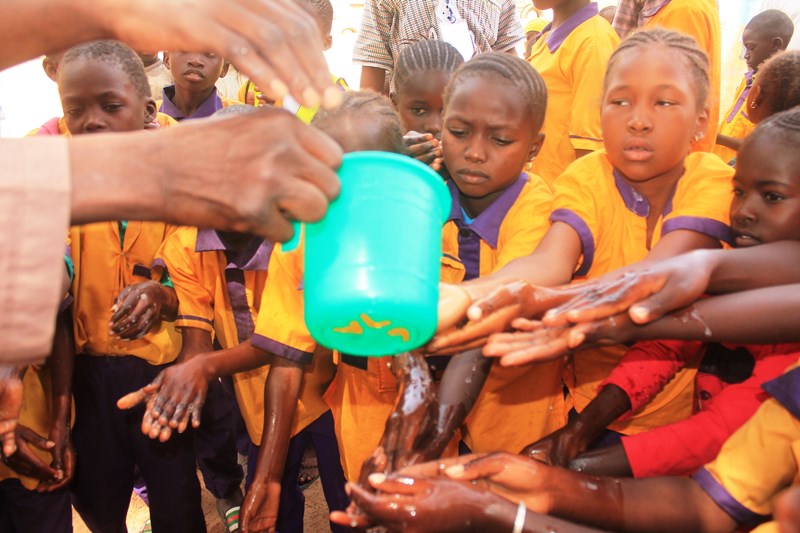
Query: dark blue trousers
[28,511]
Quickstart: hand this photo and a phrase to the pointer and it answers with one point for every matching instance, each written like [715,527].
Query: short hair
[513,70]
[779,79]
[782,127]
[322,11]
[424,56]
[235,110]
[115,53]
[773,23]
[696,59]
[364,104]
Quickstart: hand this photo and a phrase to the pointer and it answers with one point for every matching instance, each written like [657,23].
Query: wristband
[519,520]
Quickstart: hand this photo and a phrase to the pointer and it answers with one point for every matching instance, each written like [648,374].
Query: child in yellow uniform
[766,34]
[641,198]
[193,95]
[103,88]
[571,54]
[698,19]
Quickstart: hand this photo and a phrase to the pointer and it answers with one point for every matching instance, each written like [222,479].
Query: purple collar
[652,7]
[786,390]
[254,256]
[210,105]
[557,37]
[634,200]
[487,224]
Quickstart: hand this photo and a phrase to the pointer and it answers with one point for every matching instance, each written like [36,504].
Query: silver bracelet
[519,520]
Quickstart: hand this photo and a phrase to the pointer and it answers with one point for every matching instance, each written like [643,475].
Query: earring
[753,104]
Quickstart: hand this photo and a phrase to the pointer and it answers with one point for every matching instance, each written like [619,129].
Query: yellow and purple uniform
[698,19]
[280,330]
[106,261]
[760,460]
[221,291]
[58,125]
[210,105]
[610,217]
[517,405]
[572,60]
[736,123]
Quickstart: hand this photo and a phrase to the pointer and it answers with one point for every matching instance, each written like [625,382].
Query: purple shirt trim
[197,318]
[587,240]
[786,390]
[633,199]
[487,224]
[748,84]
[651,11]
[706,226]
[254,256]
[65,303]
[281,350]
[741,514]
[557,37]
[210,105]
[158,262]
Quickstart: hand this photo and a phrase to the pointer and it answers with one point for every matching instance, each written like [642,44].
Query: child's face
[98,97]
[650,113]
[195,71]
[758,47]
[766,202]
[487,137]
[420,105]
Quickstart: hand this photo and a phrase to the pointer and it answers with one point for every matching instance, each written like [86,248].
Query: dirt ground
[316,518]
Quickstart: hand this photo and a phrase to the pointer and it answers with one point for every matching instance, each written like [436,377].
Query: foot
[228,509]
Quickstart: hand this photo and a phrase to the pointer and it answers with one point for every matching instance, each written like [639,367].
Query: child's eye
[502,142]
[665,103]
[620,102]
[739,193]
[74,112]
[773,197]
[113,108]
[456,132]
[418,111]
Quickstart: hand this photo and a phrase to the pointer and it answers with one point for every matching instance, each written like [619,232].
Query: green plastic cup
[371,281]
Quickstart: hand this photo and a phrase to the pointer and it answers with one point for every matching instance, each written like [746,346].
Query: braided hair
[424,56]
[695,58]
[360,104]
[513,70]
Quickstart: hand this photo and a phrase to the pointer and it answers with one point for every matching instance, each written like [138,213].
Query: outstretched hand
[493,313]
[137,309]
[173,400]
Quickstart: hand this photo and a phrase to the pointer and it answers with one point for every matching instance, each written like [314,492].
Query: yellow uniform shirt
[572,60]
[698,19]
[103,268]
[761,459]
[736,123]
[517,405]
[280,330]
[610,217]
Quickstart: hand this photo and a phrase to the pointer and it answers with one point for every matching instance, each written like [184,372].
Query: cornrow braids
[322,11]
[512,70]
[359,104]
[779,79]
[782,128]
[696,59]
[116,53]
[422,56]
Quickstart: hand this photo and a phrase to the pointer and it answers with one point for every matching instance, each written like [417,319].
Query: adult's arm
[274,42]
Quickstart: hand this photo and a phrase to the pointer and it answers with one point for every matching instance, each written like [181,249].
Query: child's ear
[536,146]
[328,42]
[50,68]
[701,124]
[393,98]
[166,61]
[150,110]
[225,68]
[755,96]
[778,44]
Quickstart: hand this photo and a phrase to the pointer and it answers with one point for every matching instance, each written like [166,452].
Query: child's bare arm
[281,392]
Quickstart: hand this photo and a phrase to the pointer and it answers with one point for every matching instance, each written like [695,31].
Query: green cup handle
[292,243]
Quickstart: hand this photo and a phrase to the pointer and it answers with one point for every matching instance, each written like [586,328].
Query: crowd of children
[579,178]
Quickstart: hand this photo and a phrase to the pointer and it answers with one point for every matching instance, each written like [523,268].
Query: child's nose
[639,120]
[434,126]
[476,152]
